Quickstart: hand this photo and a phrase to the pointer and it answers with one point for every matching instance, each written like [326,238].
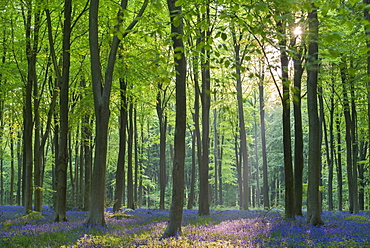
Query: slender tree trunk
[193,174]
[204,194]
[220,185]
[136,172]
[314,145]
[331,148]
[12,167]
[328,157]
[242,132]
[87,148]
[174,224]
[62,161]
[258,189]
[215,152]
[239,171]
[288,166]
[347,117]
[266,197]
[161,104]
[197,137]
[354,146]
[361,173]
[31,50]
[130,181]
[298,133]
[120,174]
[37,158]
[20,169]
[339,164]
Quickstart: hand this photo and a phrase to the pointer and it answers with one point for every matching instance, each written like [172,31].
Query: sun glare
[298,30]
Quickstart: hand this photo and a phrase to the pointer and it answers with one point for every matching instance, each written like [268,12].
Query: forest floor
[144,227]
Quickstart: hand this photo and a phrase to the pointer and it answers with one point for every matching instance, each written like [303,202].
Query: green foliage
[201,220]
[33,215]
[358,218]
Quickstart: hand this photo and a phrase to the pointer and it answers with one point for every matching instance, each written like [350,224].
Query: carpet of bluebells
[144,227]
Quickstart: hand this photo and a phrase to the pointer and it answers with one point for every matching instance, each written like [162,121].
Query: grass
[143,228]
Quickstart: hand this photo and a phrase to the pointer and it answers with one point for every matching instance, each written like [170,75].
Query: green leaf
[224,36]
[179,3]
[203,9]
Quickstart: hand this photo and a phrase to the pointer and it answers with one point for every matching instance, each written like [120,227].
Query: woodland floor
[144,227]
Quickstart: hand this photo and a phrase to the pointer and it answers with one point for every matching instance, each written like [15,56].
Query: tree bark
[160,106]
[204,194]
[298,132]
[120,174]
[348,137]
[266,197]
[31,50]
[288,166]
[174,224]
[62,161]
[215,153]
[242,132]
[101,92]
[339,164]
[130,174]
[314,154]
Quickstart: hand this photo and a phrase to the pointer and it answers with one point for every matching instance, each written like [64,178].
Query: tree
[102,91]
[205,34]
[298,129]
[62,161]
[120,172]
[242,132]
[266,197]
[314,154]
[174,224]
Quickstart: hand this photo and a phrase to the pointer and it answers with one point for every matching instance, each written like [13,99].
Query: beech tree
[174,224]
[102,91]
[314,153]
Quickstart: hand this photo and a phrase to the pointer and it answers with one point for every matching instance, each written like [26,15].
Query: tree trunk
[136,171]
[331,145]
[31,50]
[101,92]
[242,132]
[288,166]
[266,197]
[215,152]
[339,164]
[161,105]
[354,145]
[348,135]
[120,174]
[298,132]
[130,177]
[361,173]
[220,185]
[174,224]
[239,171]
[204,194]
[258,189]
[314,146]
[193,174]
[62,161]
[12,167]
